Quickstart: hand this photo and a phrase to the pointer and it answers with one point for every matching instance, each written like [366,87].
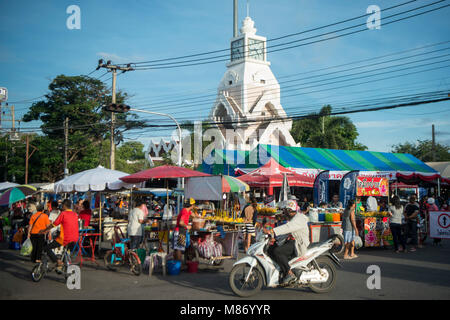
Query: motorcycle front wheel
[237,280]
[324,287]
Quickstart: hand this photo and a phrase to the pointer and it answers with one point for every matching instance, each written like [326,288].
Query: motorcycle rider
[297,242]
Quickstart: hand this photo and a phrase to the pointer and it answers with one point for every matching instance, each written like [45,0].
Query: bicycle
[42,268]
[121,254]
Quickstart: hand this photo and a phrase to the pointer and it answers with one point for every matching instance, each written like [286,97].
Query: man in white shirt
[135,221]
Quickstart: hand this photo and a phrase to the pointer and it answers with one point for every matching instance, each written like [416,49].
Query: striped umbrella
[16,194]
[231,184]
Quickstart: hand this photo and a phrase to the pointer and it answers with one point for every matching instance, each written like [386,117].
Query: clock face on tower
[256,49]
[237,49]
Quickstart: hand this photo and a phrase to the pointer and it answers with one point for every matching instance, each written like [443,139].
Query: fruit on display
[373,214]
[267,210]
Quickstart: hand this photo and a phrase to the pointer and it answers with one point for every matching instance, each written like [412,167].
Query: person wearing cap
[297,242]
[431,204]
[181,228]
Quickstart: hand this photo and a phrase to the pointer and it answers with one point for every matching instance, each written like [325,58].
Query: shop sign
[370,186]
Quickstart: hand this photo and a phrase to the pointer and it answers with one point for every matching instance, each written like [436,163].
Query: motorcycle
[316,269]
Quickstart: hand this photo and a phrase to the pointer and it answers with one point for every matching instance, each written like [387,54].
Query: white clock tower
[248,96]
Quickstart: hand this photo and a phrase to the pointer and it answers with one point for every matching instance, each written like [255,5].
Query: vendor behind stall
[335,203]
[135,220]
[182,227]
[207,206]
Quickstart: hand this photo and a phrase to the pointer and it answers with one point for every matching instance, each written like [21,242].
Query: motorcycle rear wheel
[339,244]
[327,264]
[237,280]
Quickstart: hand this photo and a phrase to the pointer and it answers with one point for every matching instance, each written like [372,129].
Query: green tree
[80,99]
[423,150]
[322,130]
[131,157]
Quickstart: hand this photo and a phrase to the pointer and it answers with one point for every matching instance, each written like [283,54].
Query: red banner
[371,186]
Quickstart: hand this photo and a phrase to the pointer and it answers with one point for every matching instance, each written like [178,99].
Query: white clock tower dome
[249,96]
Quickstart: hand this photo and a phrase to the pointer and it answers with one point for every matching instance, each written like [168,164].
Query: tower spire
[235,18]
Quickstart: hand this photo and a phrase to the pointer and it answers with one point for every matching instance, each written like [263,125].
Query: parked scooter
[316,269]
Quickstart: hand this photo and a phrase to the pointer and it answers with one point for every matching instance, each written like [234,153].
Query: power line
[301,85]
[298,73]
[269,40]
[177,64]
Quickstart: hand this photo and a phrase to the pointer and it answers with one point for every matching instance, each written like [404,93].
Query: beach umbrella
[231,184]
[96,179]
[15,194]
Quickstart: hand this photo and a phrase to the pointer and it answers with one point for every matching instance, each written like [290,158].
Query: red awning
[417,178]
[271,175]
[162,172]
[401,185]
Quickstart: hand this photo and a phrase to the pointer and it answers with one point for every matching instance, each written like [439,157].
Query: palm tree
[321,130]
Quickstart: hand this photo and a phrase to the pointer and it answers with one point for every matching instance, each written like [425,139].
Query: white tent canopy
[98,179]
[7,185]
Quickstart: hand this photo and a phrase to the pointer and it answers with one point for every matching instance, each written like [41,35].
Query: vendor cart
[214,244]
[373,228]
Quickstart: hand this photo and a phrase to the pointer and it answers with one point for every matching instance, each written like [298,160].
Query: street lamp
[122,108]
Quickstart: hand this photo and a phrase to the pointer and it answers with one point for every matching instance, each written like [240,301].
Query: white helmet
[289,204]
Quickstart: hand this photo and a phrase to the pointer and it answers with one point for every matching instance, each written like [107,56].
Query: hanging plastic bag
[27,247]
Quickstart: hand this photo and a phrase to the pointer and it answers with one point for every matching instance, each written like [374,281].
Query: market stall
[215,235]
[99,181]
[372,220]
[162,172]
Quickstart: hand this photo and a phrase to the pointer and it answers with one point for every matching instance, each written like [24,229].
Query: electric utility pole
[8,115]
[113,68]
[433,143]
[66,145]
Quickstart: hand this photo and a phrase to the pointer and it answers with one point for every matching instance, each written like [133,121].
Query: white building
[249,93]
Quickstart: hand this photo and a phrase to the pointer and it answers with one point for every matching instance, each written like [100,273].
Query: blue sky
[36,46]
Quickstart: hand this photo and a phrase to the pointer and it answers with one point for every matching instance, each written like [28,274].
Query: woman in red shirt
[182,227]
[86,213]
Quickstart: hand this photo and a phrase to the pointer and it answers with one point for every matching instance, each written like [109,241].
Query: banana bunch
[225,219]
[374,214]
[267,210]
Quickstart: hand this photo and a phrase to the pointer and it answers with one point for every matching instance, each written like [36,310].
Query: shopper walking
[349,230]
[410,213]
[397,220]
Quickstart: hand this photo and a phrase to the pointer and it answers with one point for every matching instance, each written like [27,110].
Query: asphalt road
[424,274]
